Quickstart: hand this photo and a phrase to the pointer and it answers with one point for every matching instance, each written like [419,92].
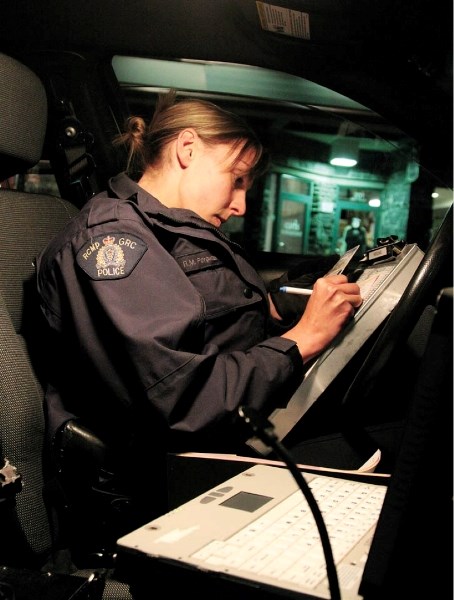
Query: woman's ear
[186,146]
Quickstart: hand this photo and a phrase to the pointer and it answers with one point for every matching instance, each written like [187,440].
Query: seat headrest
[23,117]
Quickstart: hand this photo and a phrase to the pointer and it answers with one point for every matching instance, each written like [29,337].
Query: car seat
[30,542]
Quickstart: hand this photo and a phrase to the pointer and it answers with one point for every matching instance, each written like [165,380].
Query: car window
[40,179]
[306,204]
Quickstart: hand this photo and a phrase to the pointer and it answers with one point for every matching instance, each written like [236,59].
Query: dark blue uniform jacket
[155,315]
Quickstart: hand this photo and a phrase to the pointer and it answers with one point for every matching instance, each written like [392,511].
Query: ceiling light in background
[344,152]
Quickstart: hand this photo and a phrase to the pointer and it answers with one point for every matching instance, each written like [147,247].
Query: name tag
[199,261]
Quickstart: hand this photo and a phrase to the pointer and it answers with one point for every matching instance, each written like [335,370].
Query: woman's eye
[240,182]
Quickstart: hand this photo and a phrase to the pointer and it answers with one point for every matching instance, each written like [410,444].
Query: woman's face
[212,187]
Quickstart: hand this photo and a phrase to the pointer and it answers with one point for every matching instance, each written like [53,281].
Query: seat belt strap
[75,144]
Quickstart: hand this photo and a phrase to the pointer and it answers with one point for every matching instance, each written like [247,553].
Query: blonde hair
[214,125]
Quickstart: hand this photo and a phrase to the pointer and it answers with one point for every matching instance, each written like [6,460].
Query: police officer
[160,327]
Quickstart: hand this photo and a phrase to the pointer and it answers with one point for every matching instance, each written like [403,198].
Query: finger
[351,288]
[355,300]
[336,279]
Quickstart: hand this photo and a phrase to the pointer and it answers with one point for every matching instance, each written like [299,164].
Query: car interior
[374,82]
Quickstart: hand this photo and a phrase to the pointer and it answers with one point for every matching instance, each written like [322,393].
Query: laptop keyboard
[284,543]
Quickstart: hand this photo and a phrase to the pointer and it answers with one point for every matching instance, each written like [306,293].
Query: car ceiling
[394,57]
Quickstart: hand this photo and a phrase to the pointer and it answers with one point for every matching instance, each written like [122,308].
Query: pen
[294,290]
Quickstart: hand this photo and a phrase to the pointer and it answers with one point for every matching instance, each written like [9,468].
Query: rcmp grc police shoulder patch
[111,256]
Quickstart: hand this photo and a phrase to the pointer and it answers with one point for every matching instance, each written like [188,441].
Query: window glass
[306,204]
[40,180]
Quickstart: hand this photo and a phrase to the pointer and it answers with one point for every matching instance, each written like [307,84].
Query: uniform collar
[124,188]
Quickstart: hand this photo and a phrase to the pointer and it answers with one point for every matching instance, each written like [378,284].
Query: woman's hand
[331,305]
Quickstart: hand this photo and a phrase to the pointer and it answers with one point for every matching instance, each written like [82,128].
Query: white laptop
[398,553]
[256,531]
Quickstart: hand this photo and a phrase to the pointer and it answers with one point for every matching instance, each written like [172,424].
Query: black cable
[264,430]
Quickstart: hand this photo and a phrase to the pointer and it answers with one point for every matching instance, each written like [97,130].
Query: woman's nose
[238,204]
